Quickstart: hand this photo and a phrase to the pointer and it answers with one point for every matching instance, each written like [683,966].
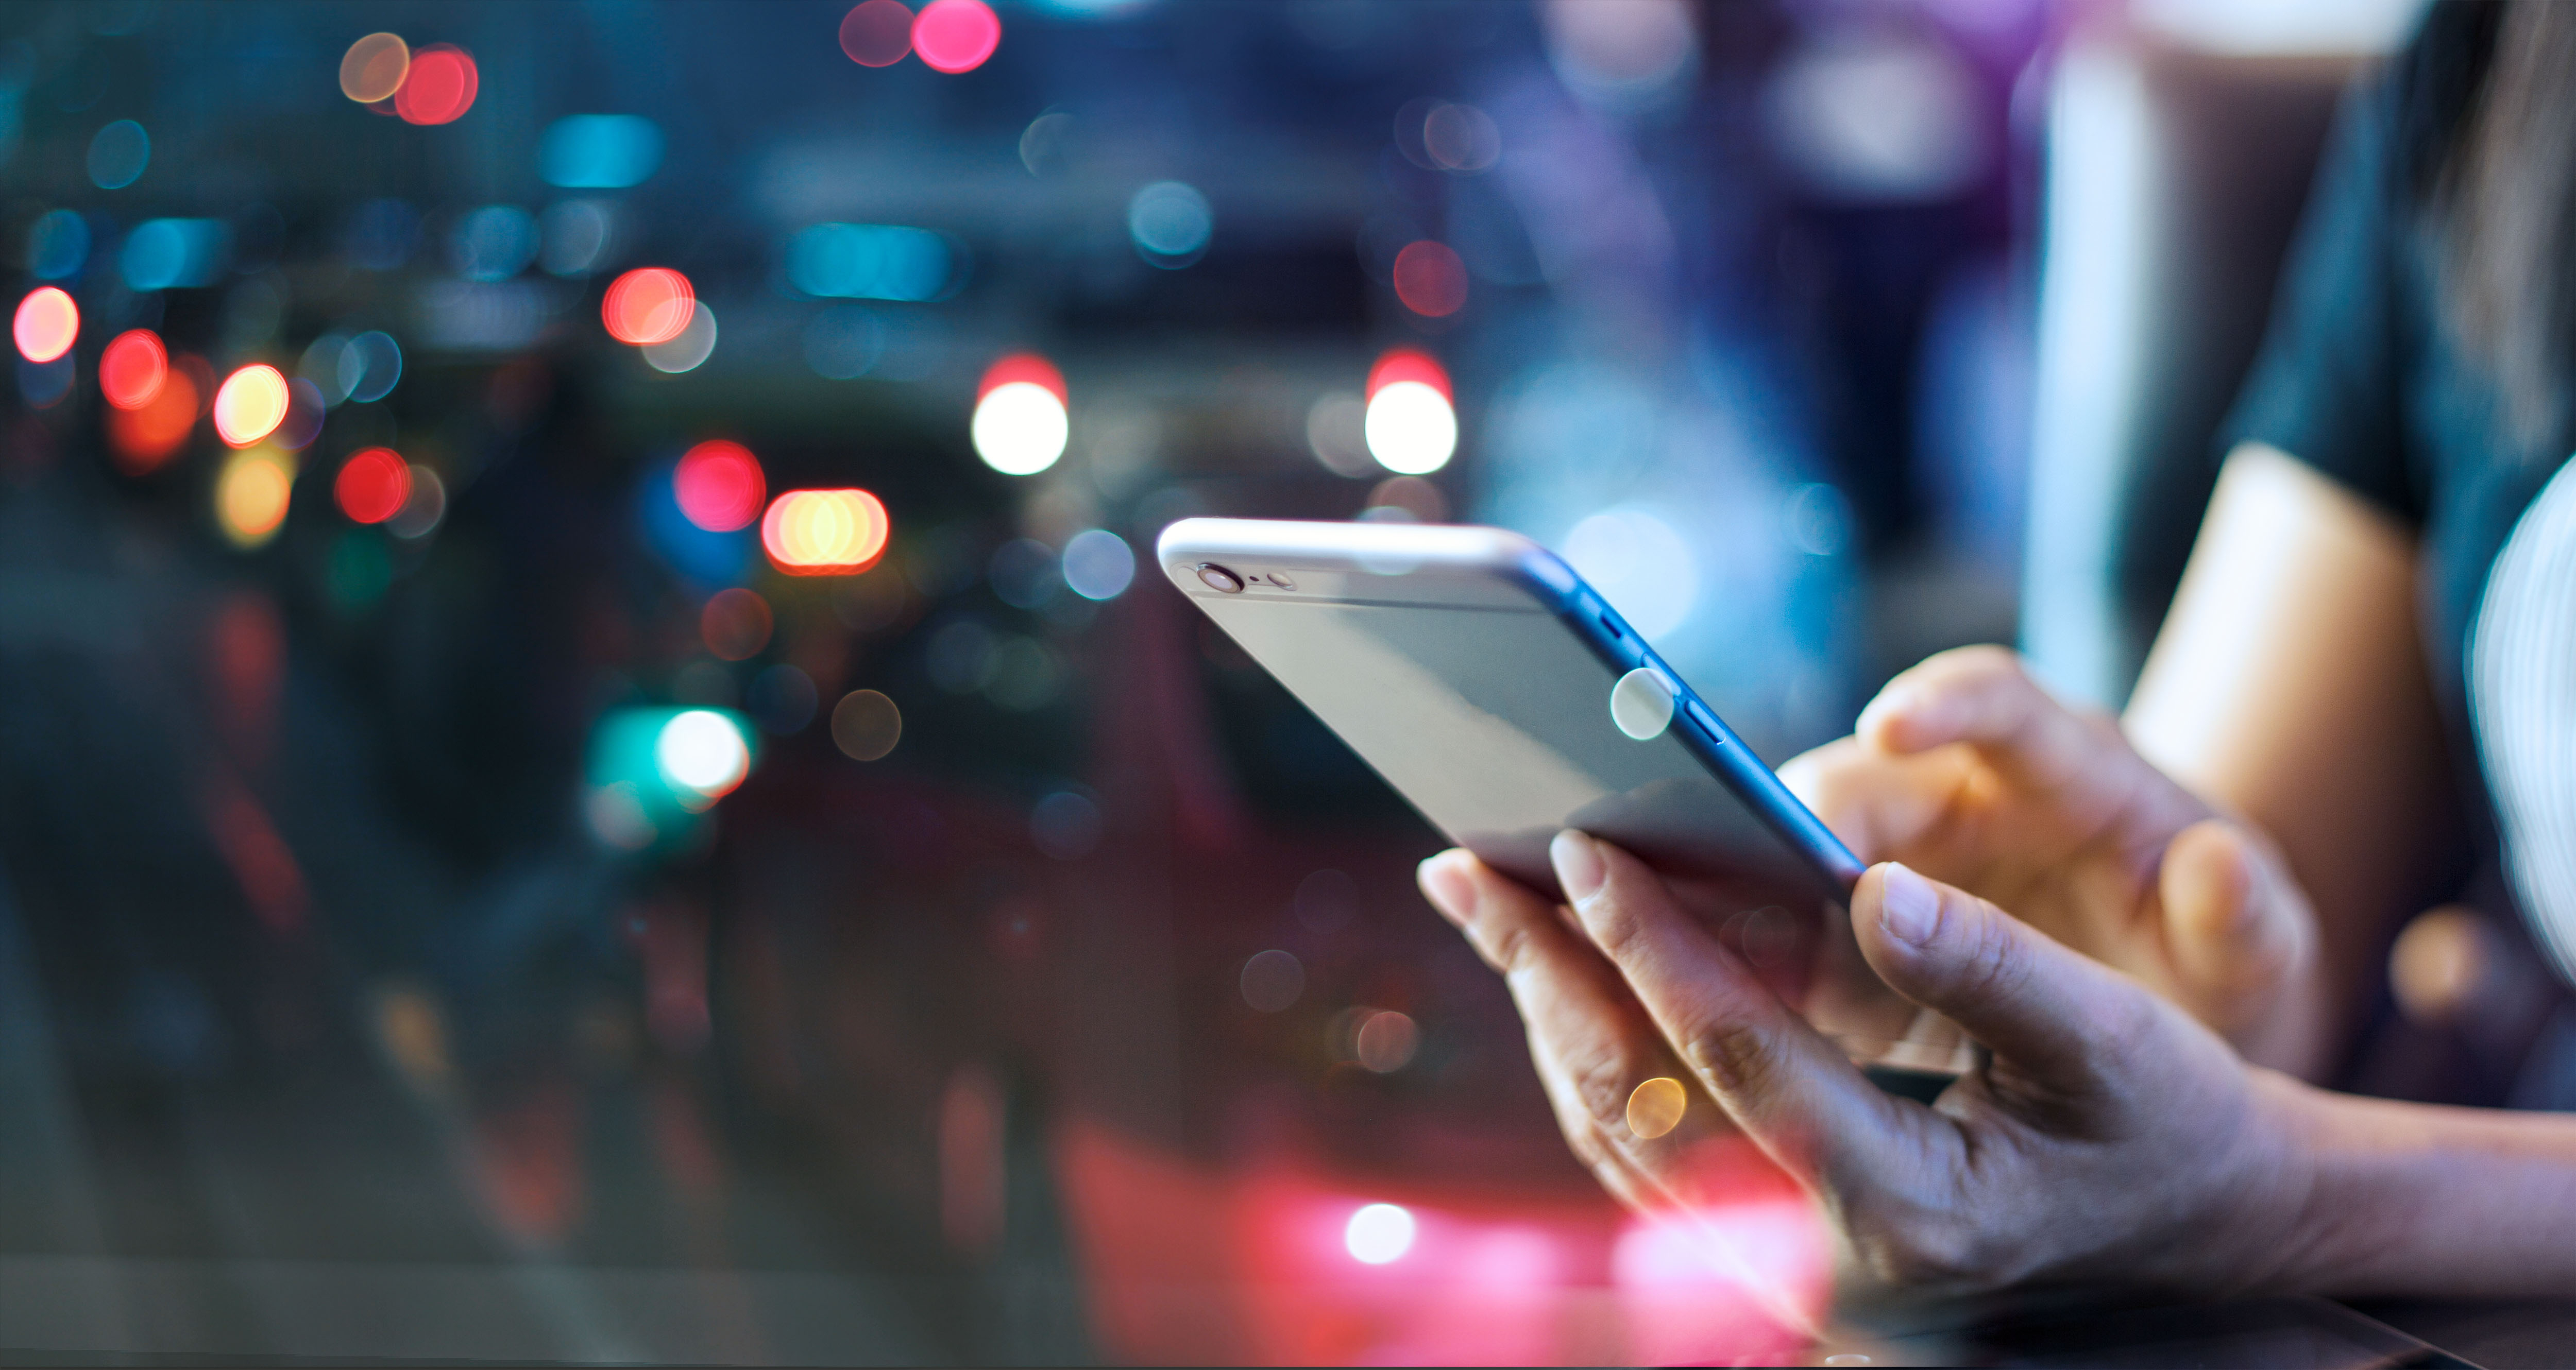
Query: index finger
[1982,696]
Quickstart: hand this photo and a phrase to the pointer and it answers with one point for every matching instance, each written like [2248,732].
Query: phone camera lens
[1219,578]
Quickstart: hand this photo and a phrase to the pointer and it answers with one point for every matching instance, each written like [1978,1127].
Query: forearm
[2426,1200]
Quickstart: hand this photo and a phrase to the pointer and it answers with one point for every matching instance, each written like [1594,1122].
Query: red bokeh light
[651,304]
[956,35]
[131,370]
[719,486]
[1022,366]
[373,485]
[1406,364]
[878,33]
[735,624]
[145,437]
[47,324]
[440,86]
[1430,279]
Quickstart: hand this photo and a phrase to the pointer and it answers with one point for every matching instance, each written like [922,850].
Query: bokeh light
[1640,565]
[576,234]
[703,755]
[1378,1234]
[1385,1041]
[720,486]
[493,243]
[1430,279]
[250,405]
[47,325]
[373,485]
[57,245]
[1656,1107]
[1409,425]
[118,154]
[251,495]
[440,86]
[132,368]
[420,514]
[144,437]
[824,532]
[162,253]
[878,33]
[1460,138]
[1170,223]
[1272,981]
[956,35]
[688,351]
[369,367]
[871,262]
[599,151]
[735,624]
[651,304]
[1098,564]
[373,68]
[866,725]
[1020,426]
[305,408]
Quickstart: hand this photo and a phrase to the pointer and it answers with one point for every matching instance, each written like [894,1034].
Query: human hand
[2108,1135]
[1965,769]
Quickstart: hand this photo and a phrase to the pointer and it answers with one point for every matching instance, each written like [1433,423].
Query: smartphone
[1507,701]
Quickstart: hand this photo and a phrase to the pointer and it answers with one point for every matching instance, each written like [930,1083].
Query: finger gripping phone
[1507,701]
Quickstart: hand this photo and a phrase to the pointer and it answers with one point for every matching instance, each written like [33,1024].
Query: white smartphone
[1507,701]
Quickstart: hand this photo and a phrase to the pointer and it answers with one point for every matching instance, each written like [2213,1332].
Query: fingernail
[1578,865]
[1908,906]
[1446,887]
[1922,710]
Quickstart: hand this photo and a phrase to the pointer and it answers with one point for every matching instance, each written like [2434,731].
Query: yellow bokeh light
[374,67]
[251,495]
[251,404]
[823,532]
[1657,1107]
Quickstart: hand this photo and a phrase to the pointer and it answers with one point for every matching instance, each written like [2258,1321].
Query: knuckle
[1506,948]
[1599,1083]
[1734,1055]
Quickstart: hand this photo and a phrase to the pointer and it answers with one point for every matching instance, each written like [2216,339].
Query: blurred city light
[162,253]
[735,624]
[1656,1107]
[1336,435]
[1460,138]
[1272,981]
[877,33]
[650,304]
[146,436]
[1378,1234]
[720,486]
[1385,1041]
[703,754]
[576,236]
[956,35]
[871,262]
[1409,425]
[427,504]
[866,725]
[705,556]
[132,367]
[373,67]
[688,351]
[440,86]
[57,244]
[250,404]
[824,532]
[373,485]
[493,243]
[47,324]
[1020,426]
[1430,279]
[1098,564]
[1640,565]
[118,154]
[1628,57]
[369,367]
[1170,223]
[302,422]
[599,151]
[251,494]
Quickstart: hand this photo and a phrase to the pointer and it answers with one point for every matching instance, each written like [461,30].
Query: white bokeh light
[1378,1234]
[1020,428]
[1410,428]
[702,752]
[1640,565]
[1098,564]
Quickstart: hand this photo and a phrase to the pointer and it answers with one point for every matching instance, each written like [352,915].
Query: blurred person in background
[2166,932]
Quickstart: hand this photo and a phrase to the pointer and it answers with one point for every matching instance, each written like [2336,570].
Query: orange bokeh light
[372,485]
[651,304]
[956,35]
[47,325]
[439,87]
[373,67]
[824,532]
[1406,364]
[1430,279]
[143,438]
[251,404]
[132,369]
[878,33]
[719,486]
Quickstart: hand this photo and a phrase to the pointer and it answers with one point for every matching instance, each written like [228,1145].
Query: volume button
[1705,721]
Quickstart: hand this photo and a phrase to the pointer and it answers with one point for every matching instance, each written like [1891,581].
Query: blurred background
[589,769]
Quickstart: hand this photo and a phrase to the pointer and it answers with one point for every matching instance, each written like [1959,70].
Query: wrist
[2347,1216]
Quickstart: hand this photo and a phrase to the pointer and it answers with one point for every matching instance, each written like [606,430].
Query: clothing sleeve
[2327,384]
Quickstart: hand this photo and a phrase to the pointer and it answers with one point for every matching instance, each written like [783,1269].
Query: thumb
[2234,923]
[2054,1014]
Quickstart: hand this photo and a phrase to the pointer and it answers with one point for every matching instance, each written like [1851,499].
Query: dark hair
[2509,195]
